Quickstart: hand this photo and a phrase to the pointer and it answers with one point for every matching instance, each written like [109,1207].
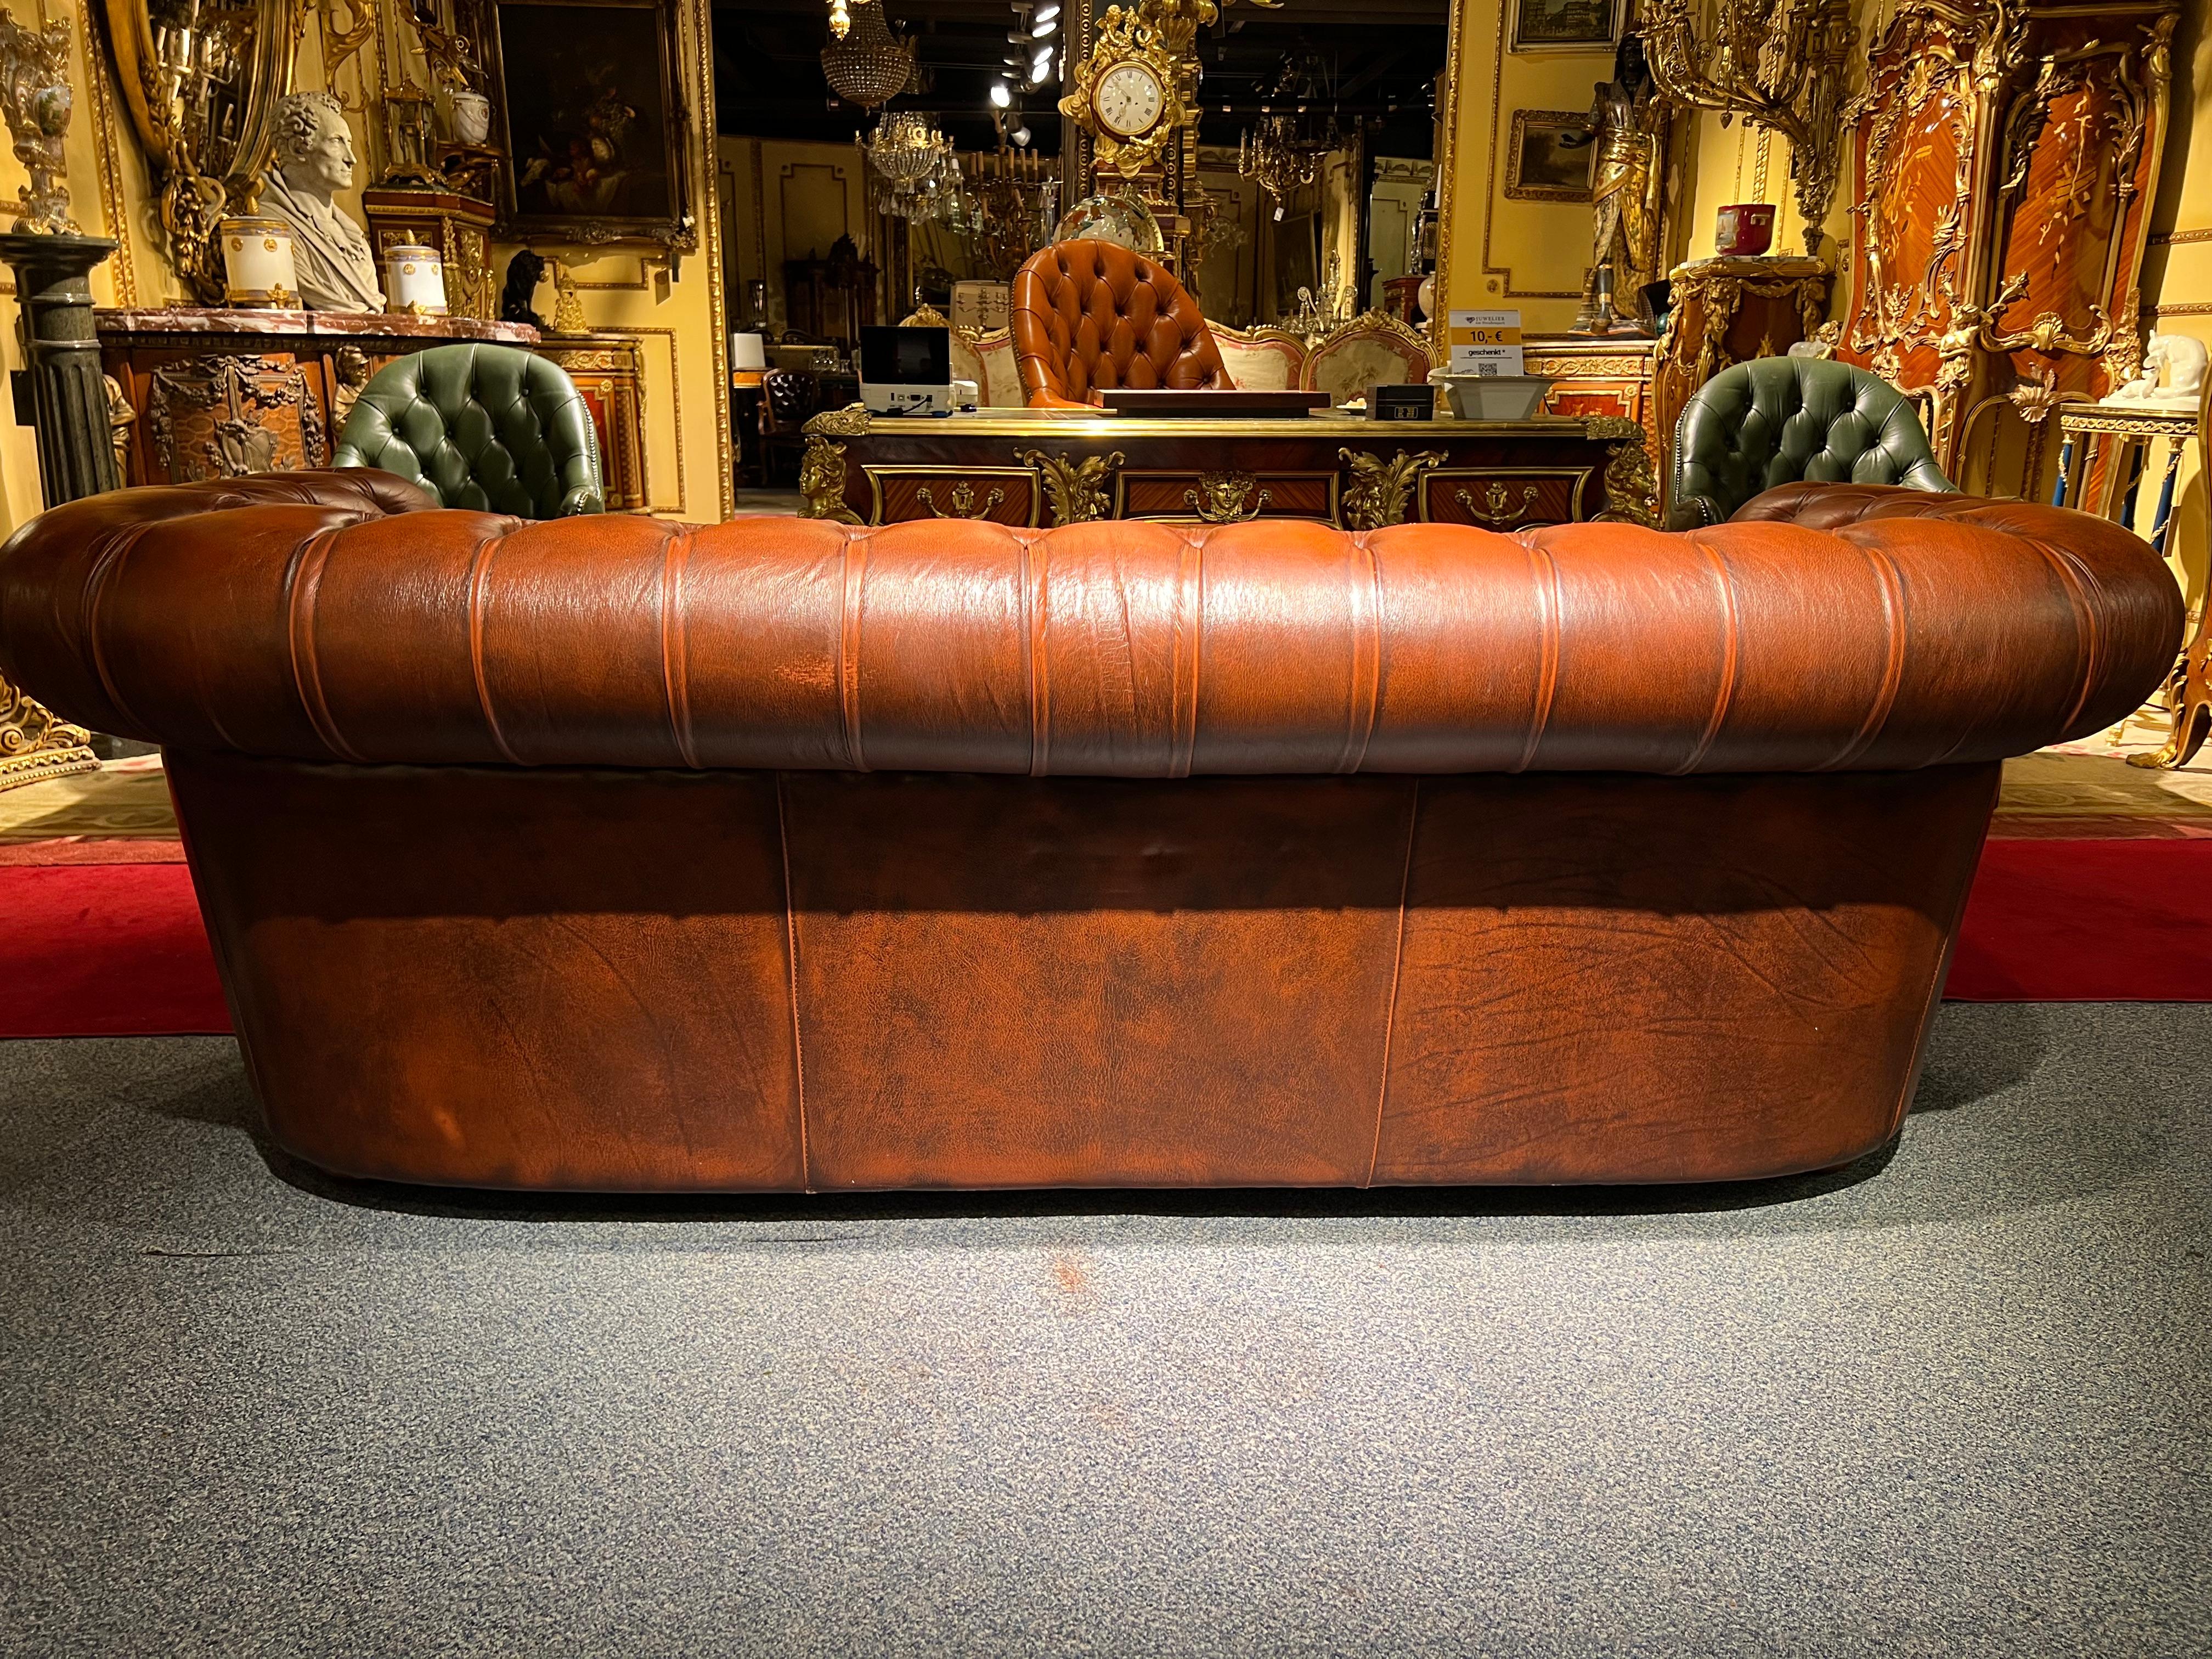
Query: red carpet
[2088,921]
[104,949]
[107,949]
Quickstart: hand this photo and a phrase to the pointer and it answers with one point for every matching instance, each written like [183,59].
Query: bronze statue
[1628,124]
[524,273]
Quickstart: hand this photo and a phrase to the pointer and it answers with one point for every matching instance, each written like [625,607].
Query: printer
[905,371]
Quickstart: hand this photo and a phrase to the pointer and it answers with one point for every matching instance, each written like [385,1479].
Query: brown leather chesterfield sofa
[613,853]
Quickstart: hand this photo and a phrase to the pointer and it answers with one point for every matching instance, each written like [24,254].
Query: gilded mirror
[202,79]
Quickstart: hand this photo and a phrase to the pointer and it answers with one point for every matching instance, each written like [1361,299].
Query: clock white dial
[1128,101]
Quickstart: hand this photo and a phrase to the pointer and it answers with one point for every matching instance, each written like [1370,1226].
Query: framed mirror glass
[201,79]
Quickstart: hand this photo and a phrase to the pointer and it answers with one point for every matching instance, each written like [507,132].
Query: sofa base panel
[653,981]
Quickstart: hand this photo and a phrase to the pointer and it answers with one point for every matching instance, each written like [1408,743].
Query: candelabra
[1778,64]
[1275,156]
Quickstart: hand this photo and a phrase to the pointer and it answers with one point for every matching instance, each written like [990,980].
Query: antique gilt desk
[1047,467]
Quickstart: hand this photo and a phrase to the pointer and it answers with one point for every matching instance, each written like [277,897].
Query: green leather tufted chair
[1785,420]
[490,427]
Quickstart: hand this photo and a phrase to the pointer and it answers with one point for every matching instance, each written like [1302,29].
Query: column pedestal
[77,457]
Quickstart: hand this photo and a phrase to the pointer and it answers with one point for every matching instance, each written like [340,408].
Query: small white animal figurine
[2179,359]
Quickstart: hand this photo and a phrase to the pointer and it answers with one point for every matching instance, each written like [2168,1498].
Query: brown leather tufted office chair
[1089,316]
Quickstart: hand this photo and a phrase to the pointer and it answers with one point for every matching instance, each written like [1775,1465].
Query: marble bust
[314,161]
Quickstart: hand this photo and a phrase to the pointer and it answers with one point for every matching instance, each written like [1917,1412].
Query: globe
[1121,219]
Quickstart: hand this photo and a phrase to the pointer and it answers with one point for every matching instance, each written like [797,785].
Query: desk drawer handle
[1496,497]
[963,502]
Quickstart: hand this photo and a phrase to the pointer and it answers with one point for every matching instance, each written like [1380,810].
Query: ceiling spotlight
[1040,29]
[1046,12]
[1022,136]
[1002,94]
[1041,64]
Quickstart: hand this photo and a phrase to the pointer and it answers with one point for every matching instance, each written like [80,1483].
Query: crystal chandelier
[907,149]
[868,65]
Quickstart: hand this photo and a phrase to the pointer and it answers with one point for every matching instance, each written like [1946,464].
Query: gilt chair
[1091,317]
[1373,349]
[1786,420]
[1263,358]
[490,428]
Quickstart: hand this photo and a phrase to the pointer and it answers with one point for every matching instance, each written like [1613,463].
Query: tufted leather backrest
[1089,315]
[1779,420]
[318,621]
[493,427]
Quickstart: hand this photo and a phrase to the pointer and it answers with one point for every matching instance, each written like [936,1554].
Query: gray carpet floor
[1956,1399]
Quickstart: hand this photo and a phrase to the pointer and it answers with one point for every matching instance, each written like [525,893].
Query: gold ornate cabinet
[213,394]
[609,369]
[206,393]
[2004,159]
[1725,310]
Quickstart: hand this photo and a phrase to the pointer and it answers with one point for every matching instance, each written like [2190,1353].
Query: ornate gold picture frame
[1550,157]
[588,96]
[1565,25]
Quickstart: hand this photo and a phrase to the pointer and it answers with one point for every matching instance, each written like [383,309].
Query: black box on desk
[1401,402]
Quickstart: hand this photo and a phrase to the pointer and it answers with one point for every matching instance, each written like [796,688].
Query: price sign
[1485,342]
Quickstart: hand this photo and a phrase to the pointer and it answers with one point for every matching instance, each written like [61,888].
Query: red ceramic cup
[1745,228]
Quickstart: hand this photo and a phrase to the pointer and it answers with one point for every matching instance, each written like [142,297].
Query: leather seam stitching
[1190,577]
[303,593]
[1397,973]
[1033,580]
[848,647]
[1726,695]
[2071,572]
[1892,609]
[479,582]
[675,670]
[790,956]
[95,594]
[1366,661]
[1549,603]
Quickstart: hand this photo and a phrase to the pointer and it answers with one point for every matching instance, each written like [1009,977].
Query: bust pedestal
[76,456]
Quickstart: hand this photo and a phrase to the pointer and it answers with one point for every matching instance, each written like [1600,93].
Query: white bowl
[1493,397]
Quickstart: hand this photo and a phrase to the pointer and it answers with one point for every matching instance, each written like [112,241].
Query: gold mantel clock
[1129,93]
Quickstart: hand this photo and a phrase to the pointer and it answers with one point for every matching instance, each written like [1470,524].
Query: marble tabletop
[211,319]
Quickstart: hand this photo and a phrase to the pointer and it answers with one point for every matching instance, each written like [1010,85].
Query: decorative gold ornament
[1497,506]
[1078,489]
[568,303]
[850,422]
[203,101]
[35,743]
[1226,497]
[1724,283]
[1273,155]
[822,480]
[35,97]
[1380,490]
[1631,491]
[963,502]
[1129,92]
[1778,64]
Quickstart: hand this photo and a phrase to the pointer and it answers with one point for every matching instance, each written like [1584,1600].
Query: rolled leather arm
[347,627]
